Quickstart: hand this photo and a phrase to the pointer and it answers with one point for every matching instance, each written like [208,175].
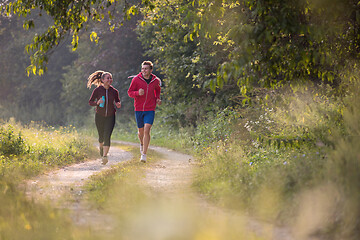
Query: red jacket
[111,96]
[146,102]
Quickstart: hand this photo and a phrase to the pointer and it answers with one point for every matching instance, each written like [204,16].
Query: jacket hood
[153,77]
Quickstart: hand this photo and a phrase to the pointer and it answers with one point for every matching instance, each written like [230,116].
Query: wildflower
[303,155]
[285,163]
[250,163]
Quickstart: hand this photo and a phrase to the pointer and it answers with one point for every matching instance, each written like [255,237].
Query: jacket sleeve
[93,98]
[133,91]
[158,90]
[117,98]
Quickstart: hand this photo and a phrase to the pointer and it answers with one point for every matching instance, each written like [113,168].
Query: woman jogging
[105,97]
[145,89]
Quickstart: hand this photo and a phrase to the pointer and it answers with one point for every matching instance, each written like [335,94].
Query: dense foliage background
[59,96]
[213,53]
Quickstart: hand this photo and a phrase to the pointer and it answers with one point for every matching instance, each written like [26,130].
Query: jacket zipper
[147,90]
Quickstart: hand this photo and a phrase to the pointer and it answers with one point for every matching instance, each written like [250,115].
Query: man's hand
[158,101]
[141,92]
[118,104]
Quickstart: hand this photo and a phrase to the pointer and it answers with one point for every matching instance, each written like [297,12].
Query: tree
[173,34]
[35,98]
[69,18]
[59,96]
[276,42]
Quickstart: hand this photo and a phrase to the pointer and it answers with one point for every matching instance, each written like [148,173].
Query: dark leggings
[105,126]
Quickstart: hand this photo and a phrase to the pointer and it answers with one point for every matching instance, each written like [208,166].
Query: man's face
[146,71]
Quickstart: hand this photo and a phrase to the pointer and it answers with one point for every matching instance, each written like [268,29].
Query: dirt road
[176,212]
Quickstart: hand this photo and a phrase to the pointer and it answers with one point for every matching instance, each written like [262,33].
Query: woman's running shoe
[104,160]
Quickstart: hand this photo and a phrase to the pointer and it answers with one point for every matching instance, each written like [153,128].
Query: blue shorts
[143,117]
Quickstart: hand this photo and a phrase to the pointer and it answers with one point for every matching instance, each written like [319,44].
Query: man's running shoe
[104,160]
[143,158]
[141,148]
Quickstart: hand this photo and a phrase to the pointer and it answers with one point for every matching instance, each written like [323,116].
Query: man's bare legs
[147,137]
[144,137]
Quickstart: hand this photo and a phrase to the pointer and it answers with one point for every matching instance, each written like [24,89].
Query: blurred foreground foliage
[25,152]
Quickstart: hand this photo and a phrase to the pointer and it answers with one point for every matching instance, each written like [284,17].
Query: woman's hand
[99,101]
[118,104]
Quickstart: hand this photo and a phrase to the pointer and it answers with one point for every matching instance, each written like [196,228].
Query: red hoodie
[146,102]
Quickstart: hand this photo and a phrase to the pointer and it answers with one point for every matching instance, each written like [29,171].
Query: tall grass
[29,150]
[282,156]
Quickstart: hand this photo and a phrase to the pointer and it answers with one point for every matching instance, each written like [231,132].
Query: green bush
[215,127]
[11,143]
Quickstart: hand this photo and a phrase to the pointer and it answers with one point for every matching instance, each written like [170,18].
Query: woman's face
[107,80]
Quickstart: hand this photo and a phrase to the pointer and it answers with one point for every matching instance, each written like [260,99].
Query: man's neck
[146,77]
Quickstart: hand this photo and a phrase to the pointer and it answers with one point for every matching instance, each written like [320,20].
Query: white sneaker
[141,148]
[143,158]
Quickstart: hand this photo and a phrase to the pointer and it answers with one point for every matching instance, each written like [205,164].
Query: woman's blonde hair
[96,78]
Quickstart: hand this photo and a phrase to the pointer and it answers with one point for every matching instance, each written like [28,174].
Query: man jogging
[145,89]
